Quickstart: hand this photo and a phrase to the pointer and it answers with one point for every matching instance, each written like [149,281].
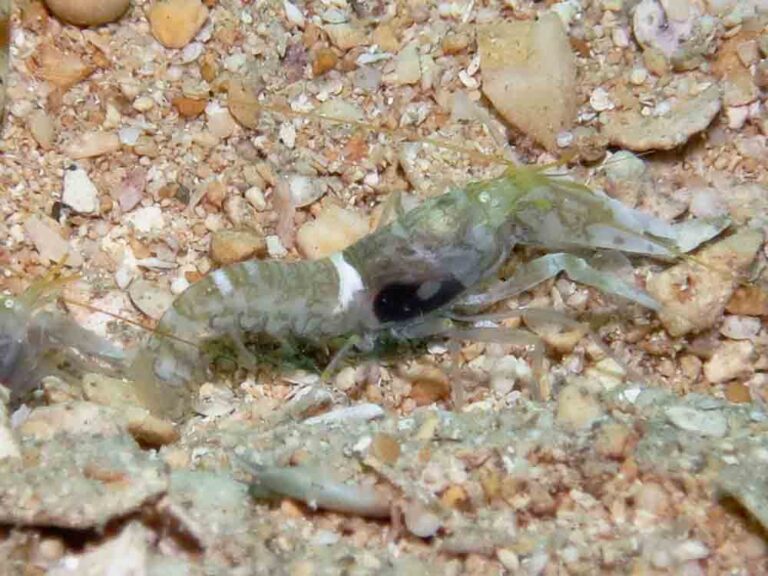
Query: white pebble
[707,203]
[275,248]
[80,193]
[143,104]
[638,76]
[191,52]
[740,327]
[293,14]
[179,284]
[600,100]
[288,135]
[737,116]
[620,37]
[690,550]
[146,219]
[129,135]
[255,196]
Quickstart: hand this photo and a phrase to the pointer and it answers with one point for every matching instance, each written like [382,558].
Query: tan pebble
[176,458]
[243,104]
[738,393]
[42,128]
[652,498]
[209,67]
[189,107]
[421,521]
[749,301]
[612,440]
[385,448]
[346,35]
[50,549]
[731,360]
[229,246]
[454,496]
[577,407]
[332,231]
[541,503]
[429,384]
[216,192]
[453,43]
[149,430]
[291,509]
[92,144]
[62,69]
[88,12]
[174,23]
[325,59]
[385,38]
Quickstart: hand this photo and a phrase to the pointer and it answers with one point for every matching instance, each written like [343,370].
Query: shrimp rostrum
[404,280]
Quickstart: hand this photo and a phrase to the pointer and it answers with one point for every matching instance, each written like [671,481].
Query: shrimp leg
[551,265]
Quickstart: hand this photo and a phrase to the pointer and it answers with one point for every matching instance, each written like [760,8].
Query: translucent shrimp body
[399,280]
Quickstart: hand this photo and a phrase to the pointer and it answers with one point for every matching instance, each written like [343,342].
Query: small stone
[632,130]
[705,422]
[638,76]
[174,23]
[529,75]
[9,447]
[79,193]
[88,12]
[324,60]
[420,521]
[600,100]
[693,294]
[577,407]
[293,14]
[46,236]
[333,230]
[146,219]
[150,299]
[131,189]
[143,104]
[229,246]
[750,300]
[305,190]
[612,440]
[255,196]
[429,384]
[731,360]
[214,401]
[243,104]
[653,499]
[346,35]
[738,393]
[42,128]
[62,69]
[407,67]
[275,247]
[385,448]
[740,327]
[220,122]
[92,144]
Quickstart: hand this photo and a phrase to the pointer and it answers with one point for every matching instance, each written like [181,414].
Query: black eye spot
[400,301]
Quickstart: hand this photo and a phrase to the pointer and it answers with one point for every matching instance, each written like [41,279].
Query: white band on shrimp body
[223,283]
[350,282]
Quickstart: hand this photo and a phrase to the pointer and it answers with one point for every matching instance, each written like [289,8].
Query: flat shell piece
[529,74]
[78,482]
[630,130]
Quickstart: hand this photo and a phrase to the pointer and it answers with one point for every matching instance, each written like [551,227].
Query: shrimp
[406,279]
[36,342]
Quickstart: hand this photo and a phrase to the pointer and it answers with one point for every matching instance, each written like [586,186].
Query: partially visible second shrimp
[403,280]
[36,342]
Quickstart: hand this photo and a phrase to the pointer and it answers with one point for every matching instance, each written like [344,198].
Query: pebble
[694,295]
[174,23]
[334,229]
[79,193]
[407,67]
[147,219]
[731,360]
[305,190]
[529,74]
[150,298]
[630,129]
[750,300]
[638,76]
[42,128]
[255,196]
[420,521]
[577,407]
[92,144]
[600,100]
[705,422]
[9,448]
[88,12]
[46,236]
[653,499]
[345,35]
[275,247]
[221,123]
[229,246]
[740,327]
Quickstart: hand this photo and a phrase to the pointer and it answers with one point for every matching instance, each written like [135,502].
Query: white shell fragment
[704,422]
[80,193]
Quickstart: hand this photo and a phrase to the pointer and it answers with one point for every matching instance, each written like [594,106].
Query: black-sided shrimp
[403,280]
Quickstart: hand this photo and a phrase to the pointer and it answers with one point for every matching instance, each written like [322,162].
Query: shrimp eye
[400,301]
